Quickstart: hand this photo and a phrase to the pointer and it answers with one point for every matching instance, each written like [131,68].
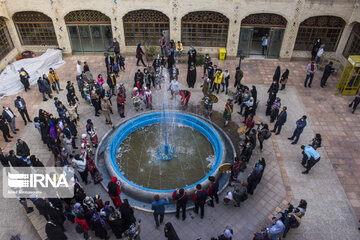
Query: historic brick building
[88,26]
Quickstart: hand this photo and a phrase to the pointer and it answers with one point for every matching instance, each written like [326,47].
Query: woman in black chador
[191,75]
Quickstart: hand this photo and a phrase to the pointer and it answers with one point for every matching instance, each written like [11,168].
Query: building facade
[88,26]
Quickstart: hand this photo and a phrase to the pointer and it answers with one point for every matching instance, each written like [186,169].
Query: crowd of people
[60,134]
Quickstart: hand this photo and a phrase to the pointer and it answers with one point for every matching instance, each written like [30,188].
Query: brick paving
[282,180]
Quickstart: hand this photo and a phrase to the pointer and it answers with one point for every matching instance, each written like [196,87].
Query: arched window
[327,28]
[144,26]
[89,31]
[264,20]
[35,28]
[353,44]
[6,44]
[205,29]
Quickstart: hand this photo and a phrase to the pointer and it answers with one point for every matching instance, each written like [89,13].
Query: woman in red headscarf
[114,191]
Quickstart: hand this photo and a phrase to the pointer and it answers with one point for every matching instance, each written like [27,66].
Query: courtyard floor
[331,189]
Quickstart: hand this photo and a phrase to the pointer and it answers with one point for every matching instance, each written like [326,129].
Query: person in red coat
[212,191]
[249,122]
[80,219]
[114,191]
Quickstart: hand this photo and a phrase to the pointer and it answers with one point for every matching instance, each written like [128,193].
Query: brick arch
[205,17]
[324,21]
[30,16]
[86,16]
[145,15]
[264,20]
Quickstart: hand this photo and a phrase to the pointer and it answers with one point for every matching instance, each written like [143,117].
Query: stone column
[342,42]
[175,21]
[291,31]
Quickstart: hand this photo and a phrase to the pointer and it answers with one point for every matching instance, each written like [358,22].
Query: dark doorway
[257,39]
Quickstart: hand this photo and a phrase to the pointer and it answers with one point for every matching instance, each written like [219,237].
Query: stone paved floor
[329,216]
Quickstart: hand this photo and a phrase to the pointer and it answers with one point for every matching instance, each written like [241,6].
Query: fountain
[156,152]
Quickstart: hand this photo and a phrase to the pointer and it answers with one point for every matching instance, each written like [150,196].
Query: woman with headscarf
[275,108]
[127,214]
[171,59]
[276,76]
[170,232]
[99,226]
[139,55]
[121,104]
[191,75]
[284,78]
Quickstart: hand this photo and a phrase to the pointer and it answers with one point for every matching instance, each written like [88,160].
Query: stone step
[38,221]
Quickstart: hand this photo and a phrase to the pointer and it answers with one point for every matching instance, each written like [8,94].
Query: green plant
[200,59]
[150,50]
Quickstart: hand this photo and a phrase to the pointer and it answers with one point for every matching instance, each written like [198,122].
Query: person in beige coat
[106,109]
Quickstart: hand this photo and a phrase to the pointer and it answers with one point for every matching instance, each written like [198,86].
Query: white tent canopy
[10,81]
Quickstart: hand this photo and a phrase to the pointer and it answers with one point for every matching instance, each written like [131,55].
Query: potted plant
[150,52]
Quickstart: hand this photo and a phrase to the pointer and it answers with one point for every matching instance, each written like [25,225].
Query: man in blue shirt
[300,125]
[311,156]
[159,208]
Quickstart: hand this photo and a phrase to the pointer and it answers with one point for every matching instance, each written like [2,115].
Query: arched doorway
[353,44]
[89,32]
[34,28]
[204,29]
[327,28]
[145,27]
[257,28]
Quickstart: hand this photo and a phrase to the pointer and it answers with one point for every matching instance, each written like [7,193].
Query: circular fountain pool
[131,154]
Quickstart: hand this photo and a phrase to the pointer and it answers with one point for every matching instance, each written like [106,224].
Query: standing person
[70,135]
[139,55]
[316,141]
[86,67]
[44,86]
[78,68]
[315,48]
[9,115]
[355,103]
[114,191]
[95,101]
[121,104]
[228,111]
[211,73]
[281,119]
[91,130]
[171,59]
[300,125]
[116,47]
[21,107]
[5,129]
[106,109]
[54,231]
[191,75]
[218,80]
[24,79]
[162,45]
[199,199]
[311,69]
[111,81]
[54,79]
[263,134]
[207,61]
[159,209]
[276,76]
[212,191]
[225,82]
[319,53]
[205,85]
[179,49]
[284,78]
[181,198]
[109,62]
[170,232]
[80,163]
[310,156]
[148,98]
[22,149]
[264,43]
[327,72]
[238,77]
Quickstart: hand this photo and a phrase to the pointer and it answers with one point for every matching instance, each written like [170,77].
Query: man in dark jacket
[327,72]
[139,78]
[238,76]
[15,161]
[109,62]
[181,198]
[22,149]
[116,46]
[111,81]
[21,107]
[212,191]
[300,125]
[5,129]
[199,199]
[24,79]
[281,119]
[43,206]
[9,115]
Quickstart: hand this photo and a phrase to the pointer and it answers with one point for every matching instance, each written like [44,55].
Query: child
[228,111]
[121,62]
[116,69]
[148,98]
[136,97]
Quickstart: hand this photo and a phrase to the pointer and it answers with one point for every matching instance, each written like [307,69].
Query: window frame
[141,33]
[6,44]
